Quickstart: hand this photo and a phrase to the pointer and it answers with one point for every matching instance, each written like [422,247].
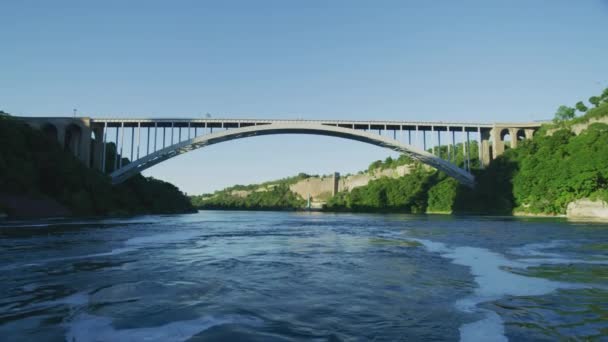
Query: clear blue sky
[404,60]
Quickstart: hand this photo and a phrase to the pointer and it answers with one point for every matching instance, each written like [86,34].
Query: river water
[275,276]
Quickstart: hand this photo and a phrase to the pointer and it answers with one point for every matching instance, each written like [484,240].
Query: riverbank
[39,178]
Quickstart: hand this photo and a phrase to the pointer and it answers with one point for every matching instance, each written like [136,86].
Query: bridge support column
[85,142]
[513,134]
[484,146]
[61,135]
[498,146]
[98,144]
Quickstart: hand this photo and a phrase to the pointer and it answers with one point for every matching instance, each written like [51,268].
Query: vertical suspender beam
[138,138]
[172,126]
[454,147]
[449,147]
[148,141]
[164,135]
[155,134]
[132,140]
[116,150]
[480,147]
[424,140]
[439,143]
[468,152]
[464,149]
[103,150]
[433,140]
[122,143]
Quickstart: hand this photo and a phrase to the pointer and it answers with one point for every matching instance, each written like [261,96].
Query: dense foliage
[543,175]
[276,196]
[35,165]
[390,163]
[407,193]
[558,169]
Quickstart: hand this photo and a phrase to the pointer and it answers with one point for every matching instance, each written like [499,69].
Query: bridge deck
[235,123]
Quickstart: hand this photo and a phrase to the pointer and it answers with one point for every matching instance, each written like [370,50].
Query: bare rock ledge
[588,209]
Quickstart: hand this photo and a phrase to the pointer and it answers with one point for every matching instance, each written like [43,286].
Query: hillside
[293,193]
[38,178]
[565,162]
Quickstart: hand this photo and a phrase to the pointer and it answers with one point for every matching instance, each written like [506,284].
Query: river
[277,276]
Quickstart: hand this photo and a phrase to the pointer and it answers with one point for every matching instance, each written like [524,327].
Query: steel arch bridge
[154,158]
[92,139]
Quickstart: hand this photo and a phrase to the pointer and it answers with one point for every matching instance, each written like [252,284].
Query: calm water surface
[251,276]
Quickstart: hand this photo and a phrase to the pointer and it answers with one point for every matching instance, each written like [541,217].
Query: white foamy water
[493,283]
[86,327]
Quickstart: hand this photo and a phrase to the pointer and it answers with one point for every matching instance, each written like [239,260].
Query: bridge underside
[150,160]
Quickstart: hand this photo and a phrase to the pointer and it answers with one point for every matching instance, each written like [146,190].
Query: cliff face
[588,209]
[578,128]
[320,189]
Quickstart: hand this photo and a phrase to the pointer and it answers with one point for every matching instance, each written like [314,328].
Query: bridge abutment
[73,134]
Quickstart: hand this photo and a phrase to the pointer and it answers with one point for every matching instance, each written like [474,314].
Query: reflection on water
[300,276]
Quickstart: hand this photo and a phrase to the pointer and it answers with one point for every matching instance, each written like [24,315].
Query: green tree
[564,113]
[595,100]
[605,95]
[581,107]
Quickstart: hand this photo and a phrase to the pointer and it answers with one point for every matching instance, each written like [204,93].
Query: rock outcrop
[588,209]
[320,189]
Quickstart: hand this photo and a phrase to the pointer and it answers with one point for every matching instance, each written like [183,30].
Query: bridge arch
[73,139]
[50,131]
[520,135]
[169,152]
[505,135]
